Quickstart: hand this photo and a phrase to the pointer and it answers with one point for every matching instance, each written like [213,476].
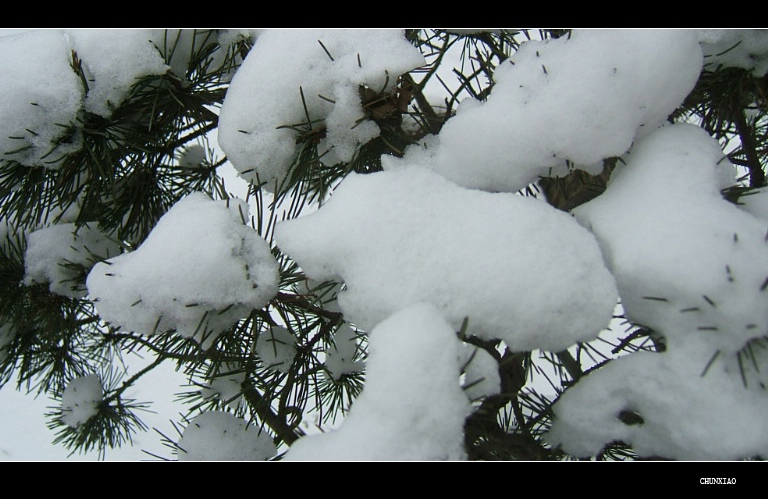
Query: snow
[104,54]
[686,415]
[220,436]
[192,156]
[579,99]
[682,260]
[114,60]
[228,37]
[40,97]
[480,377]
[198,272]
[756,203]
[251,128]
[701,271]
[341,357]
[80,400]
[276,348]
[412,407]
[58,255]
[736,48]
[25,436]
[698,278]
[227,385]
[424,246]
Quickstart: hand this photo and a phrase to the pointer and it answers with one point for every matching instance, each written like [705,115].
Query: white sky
[24,435]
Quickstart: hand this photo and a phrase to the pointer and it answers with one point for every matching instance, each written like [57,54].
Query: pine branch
[746,134]
[279,426]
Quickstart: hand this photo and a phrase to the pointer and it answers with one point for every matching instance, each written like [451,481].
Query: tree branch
[281,428]
[756,173]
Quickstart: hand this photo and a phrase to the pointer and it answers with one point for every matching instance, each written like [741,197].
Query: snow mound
[735,48]
[226,386]
[579,99]
[51,78]
[80,400]
[694,268]
[113,61]
[756,203]
[687,262]
[198,272]
[276,348]
[40,97]
[220,436]
[686,411]
[519,269]
[59,254]
[265,96]
[411,408]
[480,376]
[340,357]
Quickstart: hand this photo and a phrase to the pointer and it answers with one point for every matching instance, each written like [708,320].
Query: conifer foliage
[509,244]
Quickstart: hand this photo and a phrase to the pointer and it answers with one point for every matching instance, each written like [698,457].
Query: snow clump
[265,98]
[685,406]
[411,407]
[341,356]
[480,376]
[220,436]
[112,62]
[559,102]
[52,78]
[226,386]
[40,97]
[59,254]
[703,271]
[198,272]
[736,48]
[755,202]
[699,278]
[80,400]
[541,281]
[276,348]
